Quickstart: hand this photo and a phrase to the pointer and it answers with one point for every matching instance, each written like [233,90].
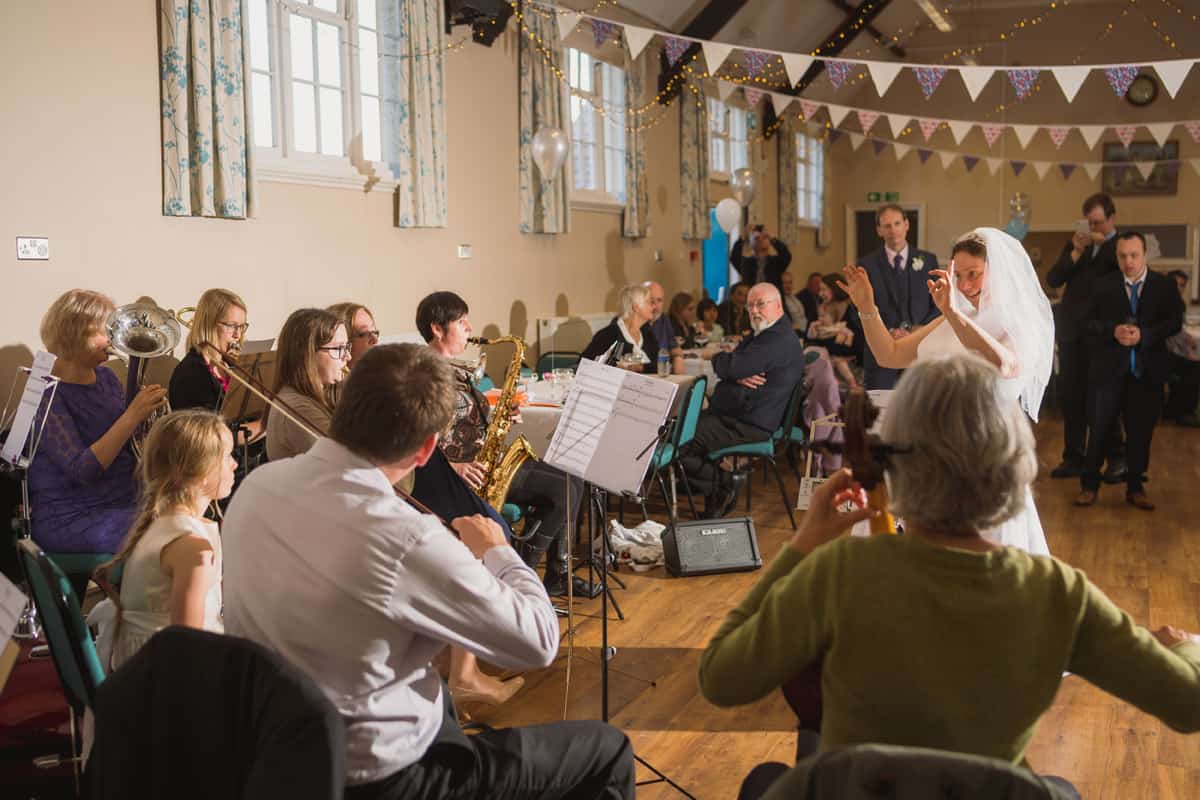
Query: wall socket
[33,248]
[464,251]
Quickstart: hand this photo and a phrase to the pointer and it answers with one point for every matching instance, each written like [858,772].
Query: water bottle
[664,362]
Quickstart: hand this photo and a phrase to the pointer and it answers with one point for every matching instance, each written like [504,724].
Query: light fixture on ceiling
[938,19]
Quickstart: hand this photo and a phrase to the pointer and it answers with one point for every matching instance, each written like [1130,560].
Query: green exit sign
[873,197]
[883,197]
[891,197]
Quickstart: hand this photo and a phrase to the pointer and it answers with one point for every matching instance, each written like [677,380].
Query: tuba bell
[138,332]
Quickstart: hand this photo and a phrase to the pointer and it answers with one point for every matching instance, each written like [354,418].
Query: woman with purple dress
[83,493]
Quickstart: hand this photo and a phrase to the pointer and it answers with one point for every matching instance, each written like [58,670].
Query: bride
[992,304]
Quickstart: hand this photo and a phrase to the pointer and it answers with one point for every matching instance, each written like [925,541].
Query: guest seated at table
[83,493]
[838,330]
[683,320]
[636,341]
[960,644]
[313,356]
[749,401]
[707,312]
[810,295]
[792,305]
[732,314]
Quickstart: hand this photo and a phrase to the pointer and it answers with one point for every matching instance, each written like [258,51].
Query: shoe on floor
[1086,498]
[1066,469]
[1139,500]
[1115,473]
[556,586]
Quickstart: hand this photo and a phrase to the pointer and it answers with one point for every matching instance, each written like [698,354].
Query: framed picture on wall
[1126,180]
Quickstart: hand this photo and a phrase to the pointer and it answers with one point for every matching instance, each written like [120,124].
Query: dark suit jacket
[194,386]
[734,323]
[747,266]
[1079,277]
[1159,315]
[893,290]
[610,333]
[776,353]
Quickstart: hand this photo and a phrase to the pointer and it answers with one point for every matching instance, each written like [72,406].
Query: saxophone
[500,462]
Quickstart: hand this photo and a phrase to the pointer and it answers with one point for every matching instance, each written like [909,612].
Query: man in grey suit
[898,273]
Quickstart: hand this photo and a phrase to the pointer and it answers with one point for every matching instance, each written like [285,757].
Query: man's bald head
[765,305]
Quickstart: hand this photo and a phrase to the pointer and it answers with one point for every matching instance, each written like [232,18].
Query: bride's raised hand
[939,289]
[857,284]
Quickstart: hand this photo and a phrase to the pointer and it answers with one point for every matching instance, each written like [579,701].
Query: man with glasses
[749,401]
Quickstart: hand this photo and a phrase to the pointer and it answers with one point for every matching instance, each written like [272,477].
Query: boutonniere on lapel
[918,264]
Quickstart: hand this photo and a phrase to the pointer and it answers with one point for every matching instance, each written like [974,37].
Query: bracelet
[869,314]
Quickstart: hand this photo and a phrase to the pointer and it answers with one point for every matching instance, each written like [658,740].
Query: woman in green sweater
[940,638]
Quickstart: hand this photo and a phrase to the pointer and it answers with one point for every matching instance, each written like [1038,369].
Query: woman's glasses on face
[339,351]
[236,328]
[366,334]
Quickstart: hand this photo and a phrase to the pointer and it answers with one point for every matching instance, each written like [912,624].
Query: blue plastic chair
[78,567]
[558,359]
[666,457]
[766,448]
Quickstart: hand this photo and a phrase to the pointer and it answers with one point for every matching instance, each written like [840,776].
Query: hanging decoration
[970,162]
[923,154]
[879,145]
[1193,129]
[1017,166]
[930,78]
[1058,135]
[1119,78]
[602,31]
[838,72]
[753,96]
[809,108]
[867,119]
[1125,133]
[754,61]
[928,127]
[1066,170]
[675,48]
[1022,81]
[991,133]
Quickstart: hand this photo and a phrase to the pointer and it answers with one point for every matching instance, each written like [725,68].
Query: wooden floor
[1148,563]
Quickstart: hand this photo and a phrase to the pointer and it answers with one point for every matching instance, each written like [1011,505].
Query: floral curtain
[757,164]
[543,203]
[789,211]
[205,108]
[412,45]
[637,192]
[825,231]
[693,162]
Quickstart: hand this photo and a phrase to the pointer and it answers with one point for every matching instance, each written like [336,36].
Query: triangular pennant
[795,66]
[1145,167]
[1022,81]
[781,101]
[636,40]
[970,161]
[725,88]
[856,140]
[1041,168]
[975,78]
[675,48]
[1017,166]
[993,164]
[1070,79]
[1066,170]
[1091,134]
[867,119]
[883,73]
[897,123]
[602,30]
[879,145]
[1160,131]
[1024,133]
[930,78]
[753,96]
[834,135]
[1125,133]
[901,149]
[960,129]
[1172,73]
[929,126]
[1193,128]
[838,72]
[1119,78]
[809,108]
[923,154]
[754,61]
[836,113]
[567,20]
[947,157]
[991,133]
[1058,135]
[715,54]
[1092,169]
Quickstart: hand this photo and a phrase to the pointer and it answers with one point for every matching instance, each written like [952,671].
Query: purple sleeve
[62,446]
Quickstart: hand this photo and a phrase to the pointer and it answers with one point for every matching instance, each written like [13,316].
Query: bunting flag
[636,39]
[1070,79]
[838,72]
[879,145]
[1119,78]
[994,164]
[567,20]
[1017,166]
[834,135]
[1091,134]
[602,31]
[947,157]
[1172,73]
[1022,81]
[883,73]
[1066,170]
[836,113]
[959,129]
[1058,135]
[1092,169]
[1041,168]
[974,79]
[867,120]
[991,133]
[1193,128]
[675,48]
[795,66]
[808,108]
[715,55]
[1160,131]
[1145,167]
[753,96]
[970,162]
[897,123]
[1024,133]
[754,61]
[856,139]
[901,150]
[929,127]
[930,78]
[923,154]
[725,89]
[1125,133]
[781,101]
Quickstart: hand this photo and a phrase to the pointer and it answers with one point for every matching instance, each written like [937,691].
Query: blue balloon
[1016,228]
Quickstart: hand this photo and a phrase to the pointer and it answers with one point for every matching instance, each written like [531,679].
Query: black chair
[557,359]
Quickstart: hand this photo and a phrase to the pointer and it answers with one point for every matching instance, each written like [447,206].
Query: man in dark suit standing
[1130,318]
[749,401]
[898,274]
[1087,258]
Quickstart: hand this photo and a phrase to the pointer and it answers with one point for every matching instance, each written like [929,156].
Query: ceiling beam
[857,19]
[881,38]
[706,25]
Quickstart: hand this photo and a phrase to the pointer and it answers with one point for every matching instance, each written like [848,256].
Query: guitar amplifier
[710,546]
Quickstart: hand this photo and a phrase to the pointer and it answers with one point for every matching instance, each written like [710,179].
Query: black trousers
[553,498]
[446,494]
[1184,383]
[1073,389]
[713,432]
[1138,404]
[579,760]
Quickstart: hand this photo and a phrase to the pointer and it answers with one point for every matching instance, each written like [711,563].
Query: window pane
[264,128]
[368,62]
[302,48]
[304,116]
[329,54]
[331,122]
[367,15]
[614,171]
[585,166]
[372,149]
[326,5]
[583,120]
[260,46]
[585,72]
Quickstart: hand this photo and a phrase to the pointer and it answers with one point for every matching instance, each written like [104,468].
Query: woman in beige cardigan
[313,352]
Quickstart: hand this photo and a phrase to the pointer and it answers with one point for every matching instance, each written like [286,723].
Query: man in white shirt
[326,565]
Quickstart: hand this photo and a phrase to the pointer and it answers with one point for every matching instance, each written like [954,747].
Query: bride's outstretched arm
[972,337]
[889,352]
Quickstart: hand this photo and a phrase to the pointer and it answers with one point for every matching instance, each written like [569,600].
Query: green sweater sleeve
[1125,659]
[771,635]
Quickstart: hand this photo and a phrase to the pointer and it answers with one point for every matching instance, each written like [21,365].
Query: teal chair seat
[512,513]
[663,456]
[666,456]
[764,448]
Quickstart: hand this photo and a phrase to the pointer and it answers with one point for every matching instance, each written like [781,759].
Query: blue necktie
[1133,304]
[898,262]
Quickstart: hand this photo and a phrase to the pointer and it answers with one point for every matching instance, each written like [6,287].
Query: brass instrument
[138,332]
[501,462]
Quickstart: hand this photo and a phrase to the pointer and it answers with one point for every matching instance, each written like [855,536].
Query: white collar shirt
[638,346]
[891,256]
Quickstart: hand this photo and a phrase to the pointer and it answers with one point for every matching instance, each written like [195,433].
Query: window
[810,179]
[597,140]
[728,138]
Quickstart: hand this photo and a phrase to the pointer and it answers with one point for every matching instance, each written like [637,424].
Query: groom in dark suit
[898,273]
[1132,314]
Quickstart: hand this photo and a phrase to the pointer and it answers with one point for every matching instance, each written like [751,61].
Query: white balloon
[729,213]
[549,149]
[744,185]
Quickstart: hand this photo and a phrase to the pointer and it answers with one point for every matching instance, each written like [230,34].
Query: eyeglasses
[757,304]
[234,327]
[366,334]
[338,351]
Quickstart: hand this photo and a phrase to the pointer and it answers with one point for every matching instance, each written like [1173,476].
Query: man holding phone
[1088,256]
[764,261]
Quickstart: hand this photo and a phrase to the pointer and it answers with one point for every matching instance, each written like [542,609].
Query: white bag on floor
[641,547]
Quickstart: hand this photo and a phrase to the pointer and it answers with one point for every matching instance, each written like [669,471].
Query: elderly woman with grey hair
[940,638]
[631,332]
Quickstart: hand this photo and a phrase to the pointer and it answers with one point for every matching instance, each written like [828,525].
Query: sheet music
[31,401]
[255,346]
[610,417]
[12,603]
